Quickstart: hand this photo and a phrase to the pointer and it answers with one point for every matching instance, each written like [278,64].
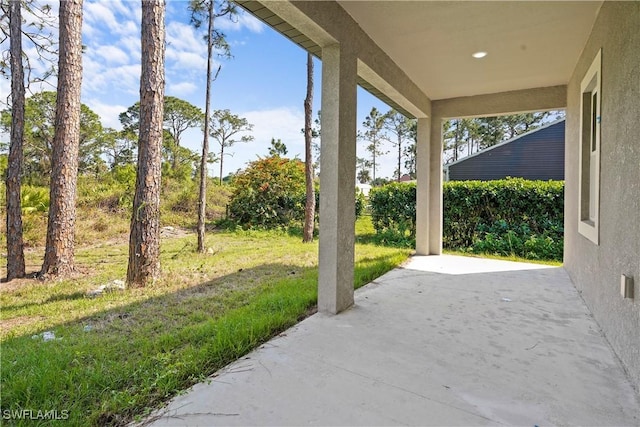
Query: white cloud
[112,54]
[108,113]
[100,78]
[88,30]
[97,13]
[101,14]
[182,36]
[127,78]
[185,48]
[280,123]
[132,44]
[181,89]
[132,9]
[130,28]
[185,60]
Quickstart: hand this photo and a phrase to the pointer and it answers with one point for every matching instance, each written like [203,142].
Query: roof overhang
[529,44]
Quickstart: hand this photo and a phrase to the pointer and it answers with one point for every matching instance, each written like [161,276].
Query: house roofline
[509,141]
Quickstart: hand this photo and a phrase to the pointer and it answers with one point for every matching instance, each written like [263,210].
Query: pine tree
[144,238]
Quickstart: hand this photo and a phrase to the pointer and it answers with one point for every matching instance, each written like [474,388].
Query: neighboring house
[363,188]
[538,154]
[441,60]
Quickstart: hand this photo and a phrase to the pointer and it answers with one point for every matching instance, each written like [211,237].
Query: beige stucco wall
[596,269]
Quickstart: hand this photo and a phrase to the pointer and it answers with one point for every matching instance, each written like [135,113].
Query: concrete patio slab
[444,340]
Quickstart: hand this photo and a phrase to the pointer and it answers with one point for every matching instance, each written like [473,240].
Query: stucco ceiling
[528,43]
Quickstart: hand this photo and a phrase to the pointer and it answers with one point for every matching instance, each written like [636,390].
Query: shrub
[393,209]
[269,193]
[34,199]
[506,217]
[501,216]
[112,192]
[179,201]
[4,164]
[361,203]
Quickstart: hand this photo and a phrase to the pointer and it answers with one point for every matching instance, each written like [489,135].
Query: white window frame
[590,140]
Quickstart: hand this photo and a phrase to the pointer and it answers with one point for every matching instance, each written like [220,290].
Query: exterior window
[589,170]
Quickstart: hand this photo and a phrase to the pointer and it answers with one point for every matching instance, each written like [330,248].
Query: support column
[422,187]
[435,187]
[337,180]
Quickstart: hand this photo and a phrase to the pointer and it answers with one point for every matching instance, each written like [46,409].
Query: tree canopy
[227,129]
[39,128]
[278,148]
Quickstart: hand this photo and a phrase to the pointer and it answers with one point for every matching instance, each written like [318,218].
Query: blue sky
[265,81]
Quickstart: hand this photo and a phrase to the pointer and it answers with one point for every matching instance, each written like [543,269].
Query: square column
[337,180]
[423,151]
[435,187]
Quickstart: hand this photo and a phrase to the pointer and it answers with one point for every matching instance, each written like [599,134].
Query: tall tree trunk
[144,239]
[202,200]
[174,157]
[221,160]
[15,245]
[374,161]
[310,204]
[456,141]
[399,156]
[59,251]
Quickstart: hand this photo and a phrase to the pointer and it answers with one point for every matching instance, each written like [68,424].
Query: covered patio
[449,340]
[423,59]
[444,340]
[438,60]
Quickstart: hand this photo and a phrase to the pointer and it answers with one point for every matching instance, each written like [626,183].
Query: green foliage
[506,217]
[379,182]
[361,203]
[182,171]
[34,202]
[473,207]
[203,11]
[111,192]
[401,130]
[278,148]
[226,130]
[179,202]
[39,132]
[393,210]
[374,137]
[504,239]
[269,193]
[179,116]
[34,199]
[125,175]
[4,164]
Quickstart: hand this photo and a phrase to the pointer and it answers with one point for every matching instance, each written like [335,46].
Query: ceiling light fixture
[479,55]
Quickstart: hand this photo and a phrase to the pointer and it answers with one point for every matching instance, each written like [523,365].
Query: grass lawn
[117,356]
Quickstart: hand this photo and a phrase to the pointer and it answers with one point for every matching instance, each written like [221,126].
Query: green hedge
[393,213]
[506,217]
